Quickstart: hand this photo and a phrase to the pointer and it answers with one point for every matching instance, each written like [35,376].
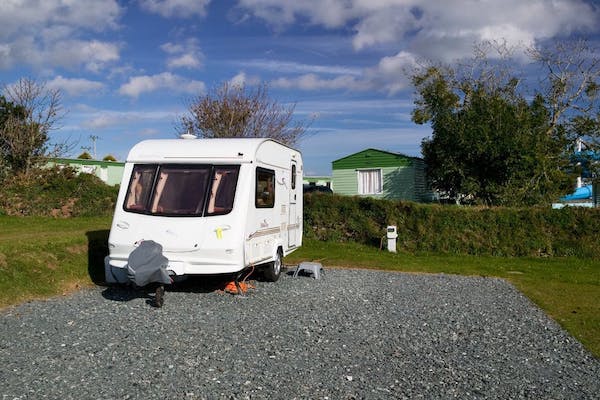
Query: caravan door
[293,224]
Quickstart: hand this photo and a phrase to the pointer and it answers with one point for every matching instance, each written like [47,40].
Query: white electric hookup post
[392,234]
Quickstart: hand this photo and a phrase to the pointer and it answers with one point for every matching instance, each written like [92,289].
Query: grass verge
[42,257]
[567,289]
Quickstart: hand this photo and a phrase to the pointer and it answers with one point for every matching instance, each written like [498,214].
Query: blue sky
[127,69]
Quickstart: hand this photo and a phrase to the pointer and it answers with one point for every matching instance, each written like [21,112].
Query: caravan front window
[181,190]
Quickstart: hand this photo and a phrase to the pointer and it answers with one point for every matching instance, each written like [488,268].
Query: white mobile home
[216,206]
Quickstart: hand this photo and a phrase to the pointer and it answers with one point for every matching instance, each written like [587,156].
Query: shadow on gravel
[97,250]
[200,284]
[127,293]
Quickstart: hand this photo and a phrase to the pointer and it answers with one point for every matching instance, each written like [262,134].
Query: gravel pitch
[355,334]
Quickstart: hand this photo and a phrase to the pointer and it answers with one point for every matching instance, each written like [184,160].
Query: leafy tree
[10,115]
[28,112]
[492,143]
[239,111]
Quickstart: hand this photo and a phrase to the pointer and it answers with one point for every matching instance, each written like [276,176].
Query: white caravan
[216,206]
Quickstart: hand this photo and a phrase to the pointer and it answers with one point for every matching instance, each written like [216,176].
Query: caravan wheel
[272,270]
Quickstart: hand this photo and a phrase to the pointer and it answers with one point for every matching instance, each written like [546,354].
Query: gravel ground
[353,335]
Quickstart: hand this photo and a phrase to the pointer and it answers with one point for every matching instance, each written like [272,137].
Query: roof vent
[187,136]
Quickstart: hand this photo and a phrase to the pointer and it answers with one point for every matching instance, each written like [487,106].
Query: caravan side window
[265,188]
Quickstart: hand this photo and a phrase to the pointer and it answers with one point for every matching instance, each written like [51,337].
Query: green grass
[43,257]
[567,289]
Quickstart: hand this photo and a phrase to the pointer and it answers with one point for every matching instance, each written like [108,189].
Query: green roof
[316,178]
[373,158]
[83,161]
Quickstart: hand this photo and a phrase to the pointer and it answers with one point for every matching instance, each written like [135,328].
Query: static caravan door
[293,223]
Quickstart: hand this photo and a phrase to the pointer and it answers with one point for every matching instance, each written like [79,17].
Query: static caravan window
[265,188]
[369,181]
[181,190]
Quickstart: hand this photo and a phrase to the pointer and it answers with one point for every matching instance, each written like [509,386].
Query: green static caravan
[381,174]
[110,172]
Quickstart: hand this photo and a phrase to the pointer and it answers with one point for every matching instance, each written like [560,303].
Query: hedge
[57,192]
[445,229]
[448,229]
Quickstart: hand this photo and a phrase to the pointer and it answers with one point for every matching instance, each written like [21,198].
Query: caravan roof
[225,149]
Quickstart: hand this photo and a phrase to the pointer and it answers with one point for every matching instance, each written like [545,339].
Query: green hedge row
[421,227]
[57,192]
[453,229]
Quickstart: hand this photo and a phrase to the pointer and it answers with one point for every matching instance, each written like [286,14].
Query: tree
[494,143]
[29,112]
[239,111]
[10,115]
[571,88]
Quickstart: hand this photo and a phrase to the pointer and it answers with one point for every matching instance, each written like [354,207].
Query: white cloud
[293,67]
[419,29]
[314,82]
[164,81]
[183,55]
[242,80]
[443,30]
[17,16]
[98,119]
[93,55]
[74,86]
[383,25]
[103,121]
[48,33]
[184,61]
[279,13]
[176,8]
[391,74]
[238,80]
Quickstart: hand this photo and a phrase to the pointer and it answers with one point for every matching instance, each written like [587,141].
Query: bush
[58,192]
[454,229]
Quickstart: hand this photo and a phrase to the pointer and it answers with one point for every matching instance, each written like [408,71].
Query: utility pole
[93,138]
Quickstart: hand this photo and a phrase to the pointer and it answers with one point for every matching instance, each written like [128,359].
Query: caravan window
[265,188]
[293,176]
[222,190]
[181,190]
[140,186]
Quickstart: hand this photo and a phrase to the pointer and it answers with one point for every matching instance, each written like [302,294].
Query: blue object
[582,193]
